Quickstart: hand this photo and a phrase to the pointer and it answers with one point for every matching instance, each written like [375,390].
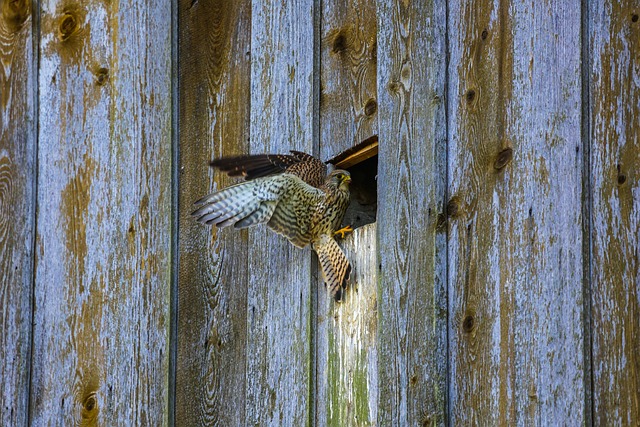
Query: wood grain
[614,100]
[346,371]
[17,211]
[515,248]
[214,70]
[103,247]
[411,188]
[347,380]
[348,92]
[279,275]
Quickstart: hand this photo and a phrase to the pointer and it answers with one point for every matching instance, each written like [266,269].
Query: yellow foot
[343,231]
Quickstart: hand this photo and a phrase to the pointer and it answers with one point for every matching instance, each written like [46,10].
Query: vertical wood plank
[515,249]
[346,368]
[279,275]
[411,183]
[348,93]
[614,46]
[214,72]
[104,204]
[17,175]
[347,380]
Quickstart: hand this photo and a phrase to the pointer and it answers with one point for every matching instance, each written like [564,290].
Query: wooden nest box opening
[362,162]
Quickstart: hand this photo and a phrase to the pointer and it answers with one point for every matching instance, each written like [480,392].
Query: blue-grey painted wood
[214,104]
[614,115]
[345,339]
[515,236]
[411,190]
[102,279]
[17,210]
[347,369]
[279,275]
[348,86]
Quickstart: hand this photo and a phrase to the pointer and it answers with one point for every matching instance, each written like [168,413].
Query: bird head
[340,178]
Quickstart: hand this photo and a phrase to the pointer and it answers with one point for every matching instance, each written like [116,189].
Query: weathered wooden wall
[412,364]
[101,281]
[17,207]
[214,103]
[612,111]
[345,337]
[499,285]
[515,238]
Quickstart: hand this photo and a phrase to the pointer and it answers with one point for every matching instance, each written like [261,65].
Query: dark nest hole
[362,163]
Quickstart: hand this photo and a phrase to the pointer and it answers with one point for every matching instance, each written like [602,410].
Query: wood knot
[470,96]
[503,159]
[89,407]
[468,324]
[413,380]
[90,402]
[622,178]
[102,76]
[634,17]
[68,26]
[370,107]
[339,43]
[484,34]
[15,13]
[453,207]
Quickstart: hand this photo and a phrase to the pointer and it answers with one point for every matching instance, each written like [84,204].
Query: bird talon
[343,231]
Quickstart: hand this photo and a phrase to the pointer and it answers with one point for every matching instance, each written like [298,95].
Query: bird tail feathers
[334,264]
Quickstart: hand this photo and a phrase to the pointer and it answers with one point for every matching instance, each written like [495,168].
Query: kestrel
[294,196]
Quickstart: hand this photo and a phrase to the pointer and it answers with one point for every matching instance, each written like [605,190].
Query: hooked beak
[347,179]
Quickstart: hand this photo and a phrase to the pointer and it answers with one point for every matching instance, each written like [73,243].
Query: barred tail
[334,264]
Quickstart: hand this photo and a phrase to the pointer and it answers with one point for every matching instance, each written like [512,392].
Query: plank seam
[587,205]
[175,216]
[35,64]
[313,279]
[447,406]
[247,264]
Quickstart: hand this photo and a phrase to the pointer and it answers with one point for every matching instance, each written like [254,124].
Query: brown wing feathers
[308,168]
[254,166]
[283,201]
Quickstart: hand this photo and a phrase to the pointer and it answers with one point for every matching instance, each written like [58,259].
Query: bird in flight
[295,197]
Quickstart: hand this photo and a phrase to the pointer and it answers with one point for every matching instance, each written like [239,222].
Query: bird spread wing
[334,264]
[284,202]
[306,167]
